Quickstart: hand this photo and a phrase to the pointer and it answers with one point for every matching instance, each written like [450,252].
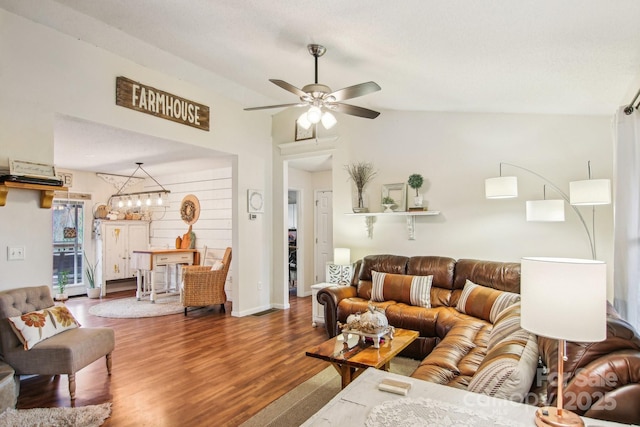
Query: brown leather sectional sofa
[456,346]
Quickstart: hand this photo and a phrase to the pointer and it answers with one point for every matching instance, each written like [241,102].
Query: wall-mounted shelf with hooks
[46,192]
[410,217]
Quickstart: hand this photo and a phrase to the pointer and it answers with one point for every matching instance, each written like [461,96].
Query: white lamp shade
[303,121]
[545,210]
[502,187]
[564,298]
[328,120]
[314,115]
[590,192]
[342,256]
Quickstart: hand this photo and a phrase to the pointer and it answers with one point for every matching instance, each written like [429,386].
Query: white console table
[361,401]
[148,261]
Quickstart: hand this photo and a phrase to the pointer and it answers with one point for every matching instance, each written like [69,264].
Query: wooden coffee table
[352,357]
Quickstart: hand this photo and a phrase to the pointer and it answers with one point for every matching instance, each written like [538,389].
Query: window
[68,235]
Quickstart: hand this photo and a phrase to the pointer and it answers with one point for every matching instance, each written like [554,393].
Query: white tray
[375,337]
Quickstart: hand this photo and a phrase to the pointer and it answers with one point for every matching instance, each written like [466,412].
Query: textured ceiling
[525,56]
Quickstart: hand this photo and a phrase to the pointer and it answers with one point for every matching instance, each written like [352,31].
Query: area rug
[84,416]
[131,308]
[295,407]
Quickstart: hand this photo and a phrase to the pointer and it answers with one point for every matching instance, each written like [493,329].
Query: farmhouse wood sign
[147,99]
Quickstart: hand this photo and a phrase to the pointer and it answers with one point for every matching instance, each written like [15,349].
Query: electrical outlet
[15,253]
[259,285]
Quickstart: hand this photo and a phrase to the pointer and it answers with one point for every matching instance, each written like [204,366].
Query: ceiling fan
[321,100]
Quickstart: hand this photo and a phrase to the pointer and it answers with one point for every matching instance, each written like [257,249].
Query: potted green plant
[93,291]
[415,181]
[360,173]
[63,280]
[388,203]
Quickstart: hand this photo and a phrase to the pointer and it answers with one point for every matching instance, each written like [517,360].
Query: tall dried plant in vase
[360,173]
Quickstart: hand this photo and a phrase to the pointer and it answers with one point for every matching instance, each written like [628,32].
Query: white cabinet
[115,242]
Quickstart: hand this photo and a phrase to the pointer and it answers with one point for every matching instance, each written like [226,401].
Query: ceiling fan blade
[355,91]
[355,110]
[287,86]
[296,104]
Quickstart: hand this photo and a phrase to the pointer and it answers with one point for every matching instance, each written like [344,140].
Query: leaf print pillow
[36,326]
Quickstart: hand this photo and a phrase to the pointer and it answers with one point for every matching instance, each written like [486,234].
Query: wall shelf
[410,217]
[46,192]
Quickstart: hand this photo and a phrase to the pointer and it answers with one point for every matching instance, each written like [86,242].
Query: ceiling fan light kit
[321,99]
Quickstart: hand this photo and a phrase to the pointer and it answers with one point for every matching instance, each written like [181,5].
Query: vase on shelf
[387,207]
[417,201]
[360,200]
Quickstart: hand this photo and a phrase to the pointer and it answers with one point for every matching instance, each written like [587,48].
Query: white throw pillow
[217,265]
[36,326]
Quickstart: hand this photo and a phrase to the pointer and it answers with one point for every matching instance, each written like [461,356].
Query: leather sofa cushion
[414,290]
[441,268]
[419,319]
[620,336]
[503,276]
[484,303]
[456,358]
[394,264]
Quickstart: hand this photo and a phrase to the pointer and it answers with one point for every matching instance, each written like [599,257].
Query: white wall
[456,152]
[45,73]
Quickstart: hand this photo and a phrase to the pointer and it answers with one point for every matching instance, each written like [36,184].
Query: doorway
[305,177]
[292,237]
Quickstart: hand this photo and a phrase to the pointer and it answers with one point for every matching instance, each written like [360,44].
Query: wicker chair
[202,286]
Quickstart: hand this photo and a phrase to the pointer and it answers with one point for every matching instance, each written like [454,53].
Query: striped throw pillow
[509,368]
[507,323]
[414,290]
[483,302]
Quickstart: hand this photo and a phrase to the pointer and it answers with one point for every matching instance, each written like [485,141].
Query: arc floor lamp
[590,192]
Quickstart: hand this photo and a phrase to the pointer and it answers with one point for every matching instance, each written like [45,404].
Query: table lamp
[563,299]
[340,270]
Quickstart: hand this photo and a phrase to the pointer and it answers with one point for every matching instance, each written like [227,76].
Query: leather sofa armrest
[608,388]
[330,297]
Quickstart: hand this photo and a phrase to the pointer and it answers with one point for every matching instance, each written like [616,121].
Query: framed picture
[302,133]
[255,201]
[398,192]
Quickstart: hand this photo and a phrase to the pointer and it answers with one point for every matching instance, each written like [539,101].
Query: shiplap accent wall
[213,188]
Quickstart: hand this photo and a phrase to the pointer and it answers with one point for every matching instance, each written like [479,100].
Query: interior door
[324,233]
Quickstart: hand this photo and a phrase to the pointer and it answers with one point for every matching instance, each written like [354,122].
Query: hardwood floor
[201,370]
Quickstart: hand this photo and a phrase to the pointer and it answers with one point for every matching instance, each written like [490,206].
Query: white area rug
[131,308]
[85,416]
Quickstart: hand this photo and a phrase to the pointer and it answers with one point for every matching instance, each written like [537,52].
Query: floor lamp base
[551,419]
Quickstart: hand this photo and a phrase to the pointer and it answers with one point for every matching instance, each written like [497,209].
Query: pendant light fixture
[120,196]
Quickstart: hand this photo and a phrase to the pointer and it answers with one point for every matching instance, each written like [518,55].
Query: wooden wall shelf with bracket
[410,216]
[46,192]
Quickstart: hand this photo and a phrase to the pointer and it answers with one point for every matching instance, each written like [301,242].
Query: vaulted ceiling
[525,56]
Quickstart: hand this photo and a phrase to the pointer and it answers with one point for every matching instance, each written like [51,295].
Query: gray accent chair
[64,353]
